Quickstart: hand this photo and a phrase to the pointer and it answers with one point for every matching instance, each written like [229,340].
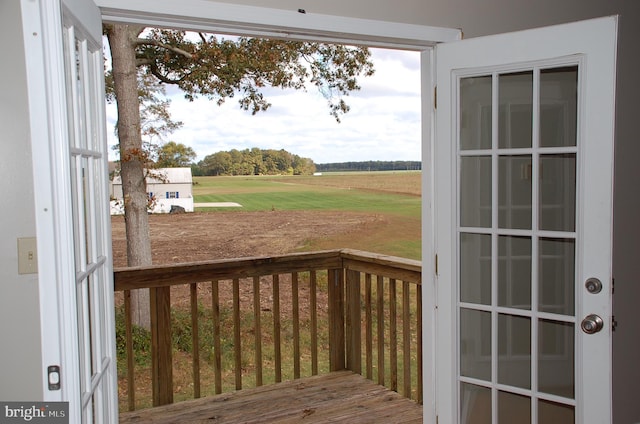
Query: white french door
[523,221]
[76,276]
[84,69]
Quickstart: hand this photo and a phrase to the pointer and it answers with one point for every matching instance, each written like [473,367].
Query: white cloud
[383,124]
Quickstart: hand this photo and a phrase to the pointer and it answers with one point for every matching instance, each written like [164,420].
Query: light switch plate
[27,255]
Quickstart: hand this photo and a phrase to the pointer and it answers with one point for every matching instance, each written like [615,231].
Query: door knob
[591,324]
[593,285]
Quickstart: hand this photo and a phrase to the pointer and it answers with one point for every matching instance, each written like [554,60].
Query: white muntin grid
[534,234]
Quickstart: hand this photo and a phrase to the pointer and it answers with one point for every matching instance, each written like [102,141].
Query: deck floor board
[336,397]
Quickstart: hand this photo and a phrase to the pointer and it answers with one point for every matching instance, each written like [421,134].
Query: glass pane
[91,325]
[84,344]
[79,101]
[86,211]
[516,99]
[556,413]
[475,404]
[475,268]
[95,140]
[514,348]
[475,113]
[514,192]
[514,408]
[475,344]
[555,358]
[558,106]
[77,231]
[475,191]
[96,187]
[514,272]
[557,276]
[558,192]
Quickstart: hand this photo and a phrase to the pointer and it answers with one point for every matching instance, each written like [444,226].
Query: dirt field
[202,236]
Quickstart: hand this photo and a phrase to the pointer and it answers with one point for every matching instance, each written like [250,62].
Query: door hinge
[613,285]
[435,97]
[614,323]
[436,264]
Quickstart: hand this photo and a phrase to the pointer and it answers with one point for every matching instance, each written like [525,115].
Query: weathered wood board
[336,397]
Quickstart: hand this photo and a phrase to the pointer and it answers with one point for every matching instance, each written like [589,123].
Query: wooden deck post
[161,360]
[336,320]
[131,387]
[353,324]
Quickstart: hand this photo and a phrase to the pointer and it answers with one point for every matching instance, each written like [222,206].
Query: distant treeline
[254,161]
[371,165]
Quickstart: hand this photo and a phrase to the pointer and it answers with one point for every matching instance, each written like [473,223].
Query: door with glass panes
[523,176]
[65,80]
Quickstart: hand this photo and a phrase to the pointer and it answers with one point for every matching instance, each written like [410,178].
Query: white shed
[166,186]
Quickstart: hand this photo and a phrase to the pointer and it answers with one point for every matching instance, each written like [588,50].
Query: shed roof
[165,175]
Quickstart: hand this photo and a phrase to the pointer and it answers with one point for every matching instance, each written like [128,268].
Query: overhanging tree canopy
[218,68]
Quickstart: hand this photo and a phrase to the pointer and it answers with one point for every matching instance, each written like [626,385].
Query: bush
[141,341]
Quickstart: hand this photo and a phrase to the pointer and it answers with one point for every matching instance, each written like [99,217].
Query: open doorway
[389,215]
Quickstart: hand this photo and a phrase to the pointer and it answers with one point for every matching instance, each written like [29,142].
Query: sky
[383,123]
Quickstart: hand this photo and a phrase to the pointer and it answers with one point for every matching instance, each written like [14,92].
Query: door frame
[235,19]
[598,47]
[246,20]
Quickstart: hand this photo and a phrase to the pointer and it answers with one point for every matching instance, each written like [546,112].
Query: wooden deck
[336,397]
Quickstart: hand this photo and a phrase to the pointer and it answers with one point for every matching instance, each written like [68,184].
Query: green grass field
[393,195]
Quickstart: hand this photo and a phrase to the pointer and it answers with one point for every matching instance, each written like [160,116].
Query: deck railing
[269,319]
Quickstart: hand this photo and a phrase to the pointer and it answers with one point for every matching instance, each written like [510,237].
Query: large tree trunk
[122,41]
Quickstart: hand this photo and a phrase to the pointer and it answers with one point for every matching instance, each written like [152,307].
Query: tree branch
[143,61]
[148,42]
[156,73]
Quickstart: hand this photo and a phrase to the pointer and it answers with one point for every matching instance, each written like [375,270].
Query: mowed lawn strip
[296,193]
[203,186]
[387,194]
[321,199]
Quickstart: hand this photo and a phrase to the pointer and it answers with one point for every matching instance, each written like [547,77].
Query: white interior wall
[19,305]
